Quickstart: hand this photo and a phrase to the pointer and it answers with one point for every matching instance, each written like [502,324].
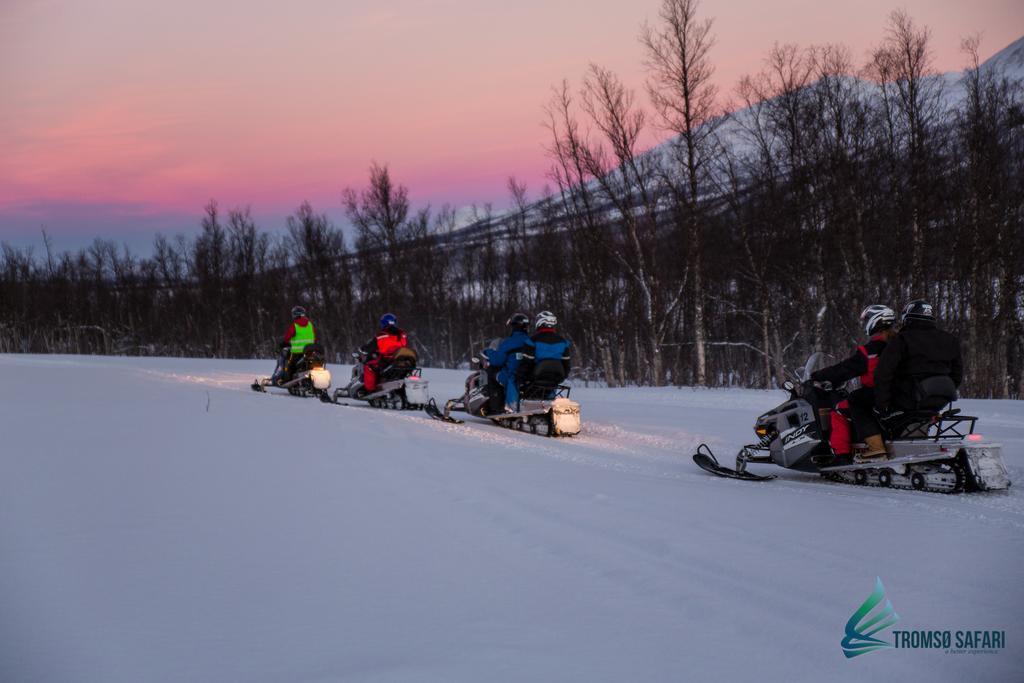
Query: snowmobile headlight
[321,378]
[761,431]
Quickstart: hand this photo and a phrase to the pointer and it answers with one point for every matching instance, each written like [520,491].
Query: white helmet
[876,318]
[545,319]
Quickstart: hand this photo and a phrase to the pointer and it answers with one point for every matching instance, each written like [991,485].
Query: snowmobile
[544,405]
[933,448]
[309,377]
[400,385]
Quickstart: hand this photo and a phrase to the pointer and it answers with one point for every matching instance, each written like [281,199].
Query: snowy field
[161,522]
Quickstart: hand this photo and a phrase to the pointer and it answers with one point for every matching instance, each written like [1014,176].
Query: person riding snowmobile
[878,321]
[297,337]
[382,349]
[504,361]
[546,344]
[921,368]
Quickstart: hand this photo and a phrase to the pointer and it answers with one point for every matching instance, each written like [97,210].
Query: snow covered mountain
[161,522]
[1008,62]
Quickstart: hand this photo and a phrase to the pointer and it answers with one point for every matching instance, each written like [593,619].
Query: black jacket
[919,351]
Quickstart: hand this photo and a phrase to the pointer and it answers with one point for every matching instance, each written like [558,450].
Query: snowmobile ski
[300,386]
[431,409]
[705,459]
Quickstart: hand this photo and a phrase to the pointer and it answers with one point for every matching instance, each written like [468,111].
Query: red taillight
[974,437]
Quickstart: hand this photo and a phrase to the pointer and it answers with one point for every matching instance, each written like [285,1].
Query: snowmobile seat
[403,363]
[543,380]
[934,393]
[547,374]
[405,358]
[314,354]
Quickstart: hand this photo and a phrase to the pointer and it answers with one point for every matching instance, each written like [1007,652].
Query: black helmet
[876,318]
[518,321]
[298,312]
[918,309]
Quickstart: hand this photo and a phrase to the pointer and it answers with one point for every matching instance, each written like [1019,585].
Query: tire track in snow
[610,446]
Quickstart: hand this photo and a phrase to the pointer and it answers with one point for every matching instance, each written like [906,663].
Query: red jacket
[387,343]
[872,350]
[861,364]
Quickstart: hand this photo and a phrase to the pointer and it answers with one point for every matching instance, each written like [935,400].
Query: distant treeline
[724,257]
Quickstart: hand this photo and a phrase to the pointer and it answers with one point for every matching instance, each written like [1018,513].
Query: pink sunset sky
[121,118]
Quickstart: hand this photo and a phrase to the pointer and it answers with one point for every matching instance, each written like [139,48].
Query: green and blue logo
[863,625]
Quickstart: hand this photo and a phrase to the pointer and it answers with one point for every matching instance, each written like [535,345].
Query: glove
[886,414]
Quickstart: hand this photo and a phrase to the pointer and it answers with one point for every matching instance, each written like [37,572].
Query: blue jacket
[547,344]
[506,356]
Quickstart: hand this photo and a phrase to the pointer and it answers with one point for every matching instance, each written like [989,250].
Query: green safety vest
[304,336]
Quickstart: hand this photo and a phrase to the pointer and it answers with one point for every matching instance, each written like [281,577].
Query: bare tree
[379,214]
[988,131]
[902,65]
[627,182]
[379,211]
[684,98]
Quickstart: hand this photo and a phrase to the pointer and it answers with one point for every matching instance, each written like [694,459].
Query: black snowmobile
[544,405]
[933,448]
[400,385]
[308,377]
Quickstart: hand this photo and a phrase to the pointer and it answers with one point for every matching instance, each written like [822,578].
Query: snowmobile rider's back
[546,354]
[921,368]
[382,349]
[503,362]
[300,334]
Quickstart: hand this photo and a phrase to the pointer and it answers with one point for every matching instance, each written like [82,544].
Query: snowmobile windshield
[816,361]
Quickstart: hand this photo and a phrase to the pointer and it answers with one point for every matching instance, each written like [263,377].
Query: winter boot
[876,448]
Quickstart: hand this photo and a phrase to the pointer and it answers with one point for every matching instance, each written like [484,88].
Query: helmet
[298,312]
[918,309]
[545,319]
[876,318]
[518,321]
[387,320]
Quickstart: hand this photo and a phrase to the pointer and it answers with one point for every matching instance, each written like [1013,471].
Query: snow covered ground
[160,522]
